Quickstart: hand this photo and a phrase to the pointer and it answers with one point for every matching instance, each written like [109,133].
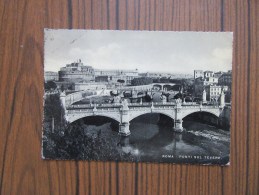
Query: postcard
[138,96]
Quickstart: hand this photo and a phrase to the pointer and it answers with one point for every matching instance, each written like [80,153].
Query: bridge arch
[78,117]
[167,87]
[212,113]
[155,112]
[157,87]
[205,116]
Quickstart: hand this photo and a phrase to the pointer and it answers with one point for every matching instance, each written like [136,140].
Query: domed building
[76,71]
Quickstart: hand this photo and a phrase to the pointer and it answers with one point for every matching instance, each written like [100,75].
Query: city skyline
[147,51]
[152,72]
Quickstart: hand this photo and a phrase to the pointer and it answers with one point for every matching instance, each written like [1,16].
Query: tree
[187,85]
[147,98]
[164,80]
[176,87]
[50,85]
[62,88]
[178,95]
[176,81]
[141,81]
[74,143]
[120,81]
[53,108]
[71,86]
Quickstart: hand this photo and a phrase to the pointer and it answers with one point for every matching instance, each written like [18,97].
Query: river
[153,141]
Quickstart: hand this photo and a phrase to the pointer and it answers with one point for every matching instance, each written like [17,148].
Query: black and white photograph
[137,96]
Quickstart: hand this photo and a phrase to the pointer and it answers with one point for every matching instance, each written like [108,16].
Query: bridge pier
[124,141]
[178,122]
[178,125]
[124,125]
[124,129]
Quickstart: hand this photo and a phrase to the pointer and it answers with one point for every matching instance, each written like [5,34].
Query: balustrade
[138,106]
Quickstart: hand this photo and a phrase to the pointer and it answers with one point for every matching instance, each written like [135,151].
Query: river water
[153,141]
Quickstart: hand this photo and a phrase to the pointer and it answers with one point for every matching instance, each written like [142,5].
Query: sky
[147,51]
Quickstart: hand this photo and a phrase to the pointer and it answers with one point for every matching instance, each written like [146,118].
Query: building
[198,86]
[114,75]
[226,79]
[65,85]
[200,83]
[101,78]
[156,75]
[218,74]
[198,73]
[50,76]
[90,86]
[208,74]
[203,79]
[213,92]
[210,81]
[76,71]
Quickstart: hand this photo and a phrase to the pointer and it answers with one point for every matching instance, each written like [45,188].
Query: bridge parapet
[130,105]
[199,106]
[89,106]
[151,103]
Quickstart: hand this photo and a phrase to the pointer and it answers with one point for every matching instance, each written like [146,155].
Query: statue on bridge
[222,98]
[125,104]
[163,98]
[204,97]
[116,99]
[178,102]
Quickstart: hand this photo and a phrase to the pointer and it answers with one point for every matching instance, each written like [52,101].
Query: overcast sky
[147,51]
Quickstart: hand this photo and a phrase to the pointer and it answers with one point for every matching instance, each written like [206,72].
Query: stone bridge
[124,112]
[80,95]
[163,86]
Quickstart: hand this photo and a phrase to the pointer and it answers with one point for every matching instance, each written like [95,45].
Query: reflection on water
[153,141]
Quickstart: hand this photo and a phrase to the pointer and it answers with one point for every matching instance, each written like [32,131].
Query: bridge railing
[111,105]
[139,104]
[154,104]
[202,106]
[210,106]
[83,110]
[89,106]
